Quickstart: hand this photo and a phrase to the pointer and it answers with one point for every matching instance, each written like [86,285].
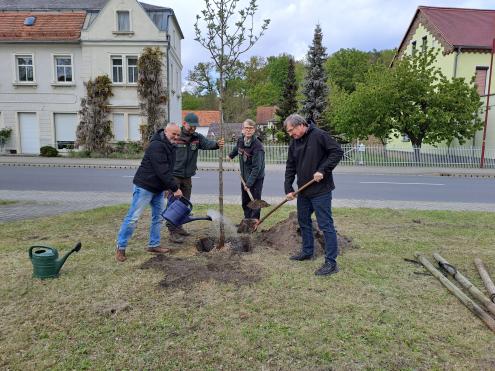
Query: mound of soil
[286,236]
[221,266]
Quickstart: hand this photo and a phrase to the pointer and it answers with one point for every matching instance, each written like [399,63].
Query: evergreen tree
[315,88]
[288,104]
[151,92]
[95,129]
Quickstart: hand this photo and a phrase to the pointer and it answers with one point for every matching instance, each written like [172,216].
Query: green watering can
[45,260]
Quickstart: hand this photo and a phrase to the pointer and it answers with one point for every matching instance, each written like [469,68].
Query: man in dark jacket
[252,163]
[153,176]
[313,154]
[186,163]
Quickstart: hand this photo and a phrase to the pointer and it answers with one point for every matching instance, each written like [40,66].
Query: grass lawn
[375,314]
[7,202]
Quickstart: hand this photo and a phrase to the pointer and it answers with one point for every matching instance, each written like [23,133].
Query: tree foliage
[288,103]
[346,68]
[94,131]
[151,90]
[412,98]
[315,88]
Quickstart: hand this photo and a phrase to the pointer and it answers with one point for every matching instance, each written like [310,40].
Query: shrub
[48,151]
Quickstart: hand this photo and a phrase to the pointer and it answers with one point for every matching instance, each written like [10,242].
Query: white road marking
[127,176]
[398,183]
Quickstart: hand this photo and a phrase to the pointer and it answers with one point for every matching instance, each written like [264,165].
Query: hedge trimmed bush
[48,151]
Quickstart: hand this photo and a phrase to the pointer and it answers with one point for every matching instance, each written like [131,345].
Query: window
[424,43]
[63,68]
[132,70]
[413,48]
[25,71]
[117,70]
[480,79]
[123,21]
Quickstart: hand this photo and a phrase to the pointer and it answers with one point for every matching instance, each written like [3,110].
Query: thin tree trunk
[221,239]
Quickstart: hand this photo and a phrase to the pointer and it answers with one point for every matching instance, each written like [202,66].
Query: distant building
[266,117]
[50,48]
[464,38]
[231,131]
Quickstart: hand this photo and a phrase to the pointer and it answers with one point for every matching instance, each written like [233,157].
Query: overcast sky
[360,24]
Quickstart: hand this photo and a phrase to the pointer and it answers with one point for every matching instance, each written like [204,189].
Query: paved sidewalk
[35,204]
[18,160]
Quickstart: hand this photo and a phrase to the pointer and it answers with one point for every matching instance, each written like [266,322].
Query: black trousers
[256,190]
[185,185]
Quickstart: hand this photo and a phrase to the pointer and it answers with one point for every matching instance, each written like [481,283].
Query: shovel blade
[247,226]
[257,204]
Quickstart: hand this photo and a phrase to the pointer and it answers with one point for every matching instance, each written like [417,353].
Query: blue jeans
[140,198]
[322,206]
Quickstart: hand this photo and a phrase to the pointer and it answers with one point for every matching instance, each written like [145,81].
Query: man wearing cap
[186,162]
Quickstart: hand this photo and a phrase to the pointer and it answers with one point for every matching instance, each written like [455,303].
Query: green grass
[7,202]
[375,314]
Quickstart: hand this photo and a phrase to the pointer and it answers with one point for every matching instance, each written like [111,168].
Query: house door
[119,127]
[29,130]
[134,121]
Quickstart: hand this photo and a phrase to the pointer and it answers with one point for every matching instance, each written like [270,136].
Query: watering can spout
[60,262]
[189,219]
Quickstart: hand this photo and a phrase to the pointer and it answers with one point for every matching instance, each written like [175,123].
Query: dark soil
[238,244]
[220,266]
[286,236]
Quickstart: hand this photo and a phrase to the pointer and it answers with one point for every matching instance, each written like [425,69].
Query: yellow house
[464,38]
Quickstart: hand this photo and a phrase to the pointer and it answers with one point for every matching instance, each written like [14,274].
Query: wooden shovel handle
[284,201]
[248,191]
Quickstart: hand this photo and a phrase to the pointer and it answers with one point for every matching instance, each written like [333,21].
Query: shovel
[255,227]
[254,204]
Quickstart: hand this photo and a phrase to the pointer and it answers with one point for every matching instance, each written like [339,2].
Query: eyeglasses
[248,128]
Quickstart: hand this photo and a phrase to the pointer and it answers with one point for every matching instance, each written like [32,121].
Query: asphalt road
[349,186]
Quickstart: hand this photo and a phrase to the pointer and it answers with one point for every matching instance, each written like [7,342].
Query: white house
[48,49]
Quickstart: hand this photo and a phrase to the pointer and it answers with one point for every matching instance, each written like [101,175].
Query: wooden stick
[490,287]
[471,305]
[284,201]
[473,290]
[248,190]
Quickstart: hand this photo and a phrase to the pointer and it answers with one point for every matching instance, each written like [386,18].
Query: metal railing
[360,155]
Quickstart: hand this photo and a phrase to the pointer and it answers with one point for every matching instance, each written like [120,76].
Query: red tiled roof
[206,118]
[49,26]
[463,27]
[454,27]
[265,114]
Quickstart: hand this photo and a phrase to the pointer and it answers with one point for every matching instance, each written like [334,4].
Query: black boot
[327,269]
[301,256]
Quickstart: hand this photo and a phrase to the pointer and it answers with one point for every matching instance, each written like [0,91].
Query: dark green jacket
[186,161]
[251,159]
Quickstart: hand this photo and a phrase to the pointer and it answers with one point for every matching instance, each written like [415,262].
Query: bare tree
[229,34]
[151,92]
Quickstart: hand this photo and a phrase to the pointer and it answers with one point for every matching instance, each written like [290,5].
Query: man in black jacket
[153,176]
[313,154]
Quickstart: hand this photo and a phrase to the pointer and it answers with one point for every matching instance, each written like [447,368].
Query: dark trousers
[256,190]
[322,206]
[185,185]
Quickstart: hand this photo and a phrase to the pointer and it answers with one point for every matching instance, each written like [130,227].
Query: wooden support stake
[471,305]
[473,290]
[490,287]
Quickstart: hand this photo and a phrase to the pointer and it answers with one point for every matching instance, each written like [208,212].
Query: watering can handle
[172,198]
[40,246]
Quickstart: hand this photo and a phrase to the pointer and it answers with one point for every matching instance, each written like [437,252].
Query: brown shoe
[158,250]
[175,237]
[120,255]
